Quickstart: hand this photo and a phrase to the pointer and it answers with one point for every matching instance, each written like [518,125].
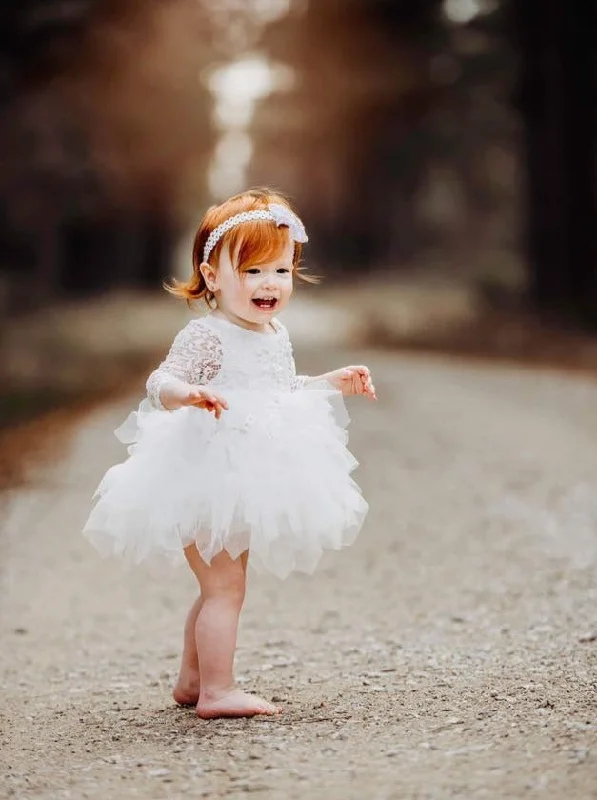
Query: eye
[283,271]
[253,271]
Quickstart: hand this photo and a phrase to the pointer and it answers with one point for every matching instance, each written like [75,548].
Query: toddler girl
[233,456]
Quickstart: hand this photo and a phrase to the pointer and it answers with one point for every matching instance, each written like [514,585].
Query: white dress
[271,476]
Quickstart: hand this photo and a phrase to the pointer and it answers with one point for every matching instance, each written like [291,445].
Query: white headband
[276,212]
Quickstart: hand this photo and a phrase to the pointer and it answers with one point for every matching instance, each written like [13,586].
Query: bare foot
[234,703]
[186,691]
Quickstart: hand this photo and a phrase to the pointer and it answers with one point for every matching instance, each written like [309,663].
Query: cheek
[248,284]
[238,288]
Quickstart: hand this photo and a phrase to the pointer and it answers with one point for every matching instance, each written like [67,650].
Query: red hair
[249,244]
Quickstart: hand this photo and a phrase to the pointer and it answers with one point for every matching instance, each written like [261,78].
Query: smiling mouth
[265,303]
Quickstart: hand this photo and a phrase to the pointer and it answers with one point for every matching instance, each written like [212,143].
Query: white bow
[284,216]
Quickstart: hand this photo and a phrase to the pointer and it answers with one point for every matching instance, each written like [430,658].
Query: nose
[270,280]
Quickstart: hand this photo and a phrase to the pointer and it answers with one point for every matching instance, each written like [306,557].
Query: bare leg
[186,691]
[223,586]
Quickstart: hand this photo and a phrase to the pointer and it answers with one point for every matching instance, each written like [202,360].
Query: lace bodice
[213,351]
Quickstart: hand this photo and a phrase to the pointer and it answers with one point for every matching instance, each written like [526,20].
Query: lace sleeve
[195,357]
[298,382]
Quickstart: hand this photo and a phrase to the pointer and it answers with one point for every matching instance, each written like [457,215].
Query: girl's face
[252,297]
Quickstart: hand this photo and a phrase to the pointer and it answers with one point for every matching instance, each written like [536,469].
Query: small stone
[579,755]
[158,773]
[588,637]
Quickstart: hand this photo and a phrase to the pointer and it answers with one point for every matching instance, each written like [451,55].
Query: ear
[210,276]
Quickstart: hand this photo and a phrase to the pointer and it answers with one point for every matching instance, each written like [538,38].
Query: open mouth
[265,303]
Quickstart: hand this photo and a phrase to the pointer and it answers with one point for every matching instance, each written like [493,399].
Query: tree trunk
[557,97]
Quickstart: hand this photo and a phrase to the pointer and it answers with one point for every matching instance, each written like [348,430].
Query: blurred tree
[400,116]
[105,133]
[387,173]
[557,98]
[350,123]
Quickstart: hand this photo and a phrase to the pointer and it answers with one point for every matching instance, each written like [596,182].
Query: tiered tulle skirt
[272,476]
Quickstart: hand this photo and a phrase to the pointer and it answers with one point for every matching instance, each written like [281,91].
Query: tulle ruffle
[271,476]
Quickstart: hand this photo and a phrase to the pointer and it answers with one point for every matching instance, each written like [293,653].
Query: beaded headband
[275,212]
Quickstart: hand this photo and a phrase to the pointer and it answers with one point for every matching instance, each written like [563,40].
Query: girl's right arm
[195,358]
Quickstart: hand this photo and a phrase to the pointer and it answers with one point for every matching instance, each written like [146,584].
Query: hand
[352,380]
[177,394]
[204,398]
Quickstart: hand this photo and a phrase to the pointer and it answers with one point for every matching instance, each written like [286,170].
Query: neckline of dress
[276,327]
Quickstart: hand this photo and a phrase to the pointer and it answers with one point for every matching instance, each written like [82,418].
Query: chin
[256,317]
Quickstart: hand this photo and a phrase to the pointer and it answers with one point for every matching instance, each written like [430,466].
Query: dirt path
[451,653]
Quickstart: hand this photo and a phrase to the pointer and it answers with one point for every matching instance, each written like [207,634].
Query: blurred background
[441,153]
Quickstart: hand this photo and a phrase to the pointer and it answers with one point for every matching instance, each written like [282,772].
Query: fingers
[218,404]
[214,408]
[208,400]
[369,388]
[364,384]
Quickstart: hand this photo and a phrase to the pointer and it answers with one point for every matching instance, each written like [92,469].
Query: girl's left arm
[348,380]
[351,380]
